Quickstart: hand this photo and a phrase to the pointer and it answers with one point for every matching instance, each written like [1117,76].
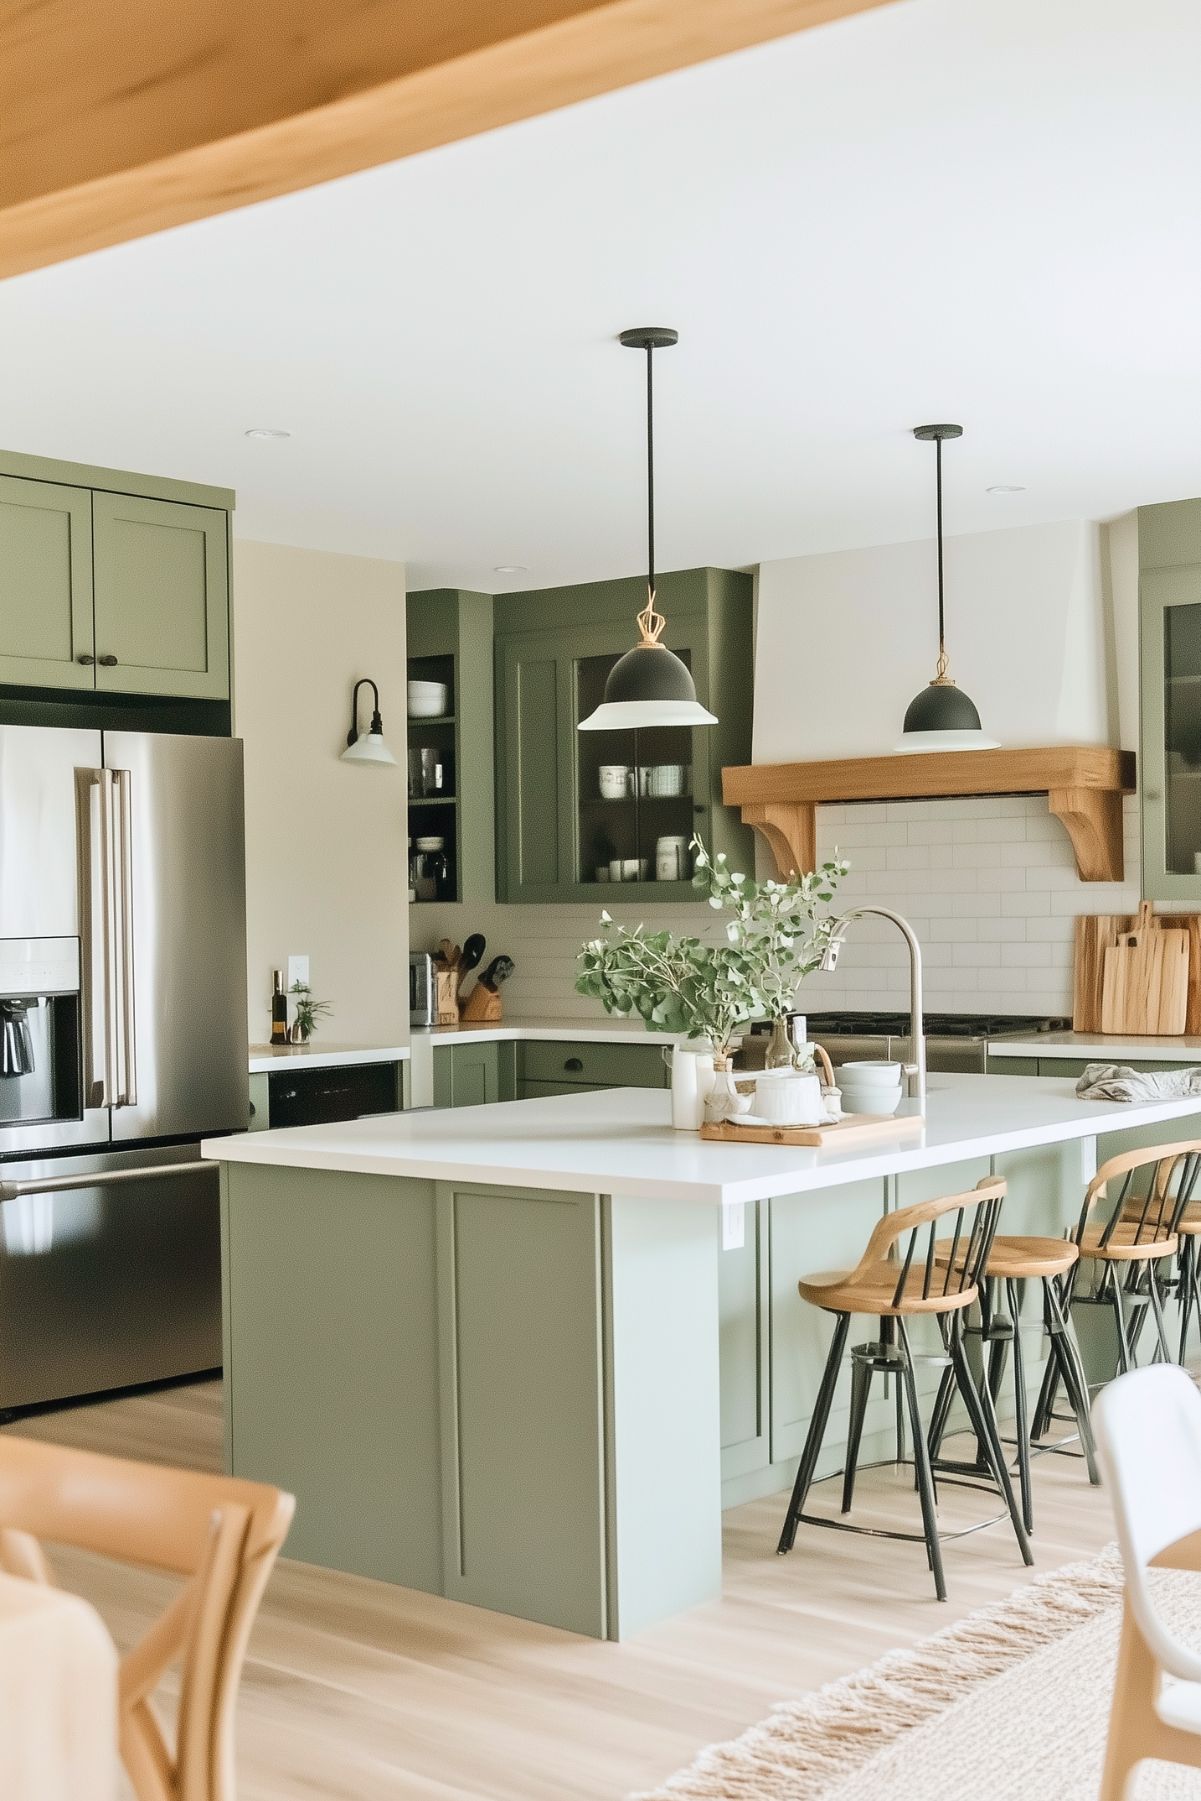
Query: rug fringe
[824,1737]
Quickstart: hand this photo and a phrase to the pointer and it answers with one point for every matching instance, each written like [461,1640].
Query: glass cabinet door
[634,795]
[1171,749]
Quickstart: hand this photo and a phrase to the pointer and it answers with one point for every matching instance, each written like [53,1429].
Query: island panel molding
[208,105]
[1084,785]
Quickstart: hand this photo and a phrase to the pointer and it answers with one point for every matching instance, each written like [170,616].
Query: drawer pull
[109,662]
[574,1063]
[85,658]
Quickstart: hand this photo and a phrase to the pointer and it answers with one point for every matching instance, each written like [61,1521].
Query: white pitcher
[691,1083]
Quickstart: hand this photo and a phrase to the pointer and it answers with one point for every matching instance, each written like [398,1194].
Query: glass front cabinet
[1170,774]
[608,816]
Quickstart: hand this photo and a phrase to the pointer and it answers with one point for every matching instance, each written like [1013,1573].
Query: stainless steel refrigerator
[122,1043]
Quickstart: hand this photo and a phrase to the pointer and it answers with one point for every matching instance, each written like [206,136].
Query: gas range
[954,1041]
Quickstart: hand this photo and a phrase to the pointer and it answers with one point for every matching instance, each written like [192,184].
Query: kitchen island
[521,1355]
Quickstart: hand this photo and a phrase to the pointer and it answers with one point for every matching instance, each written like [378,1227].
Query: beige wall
[326,856]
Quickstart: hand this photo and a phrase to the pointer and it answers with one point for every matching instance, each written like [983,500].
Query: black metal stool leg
[1164,1355]
[1185,1291]
[861,1383]
[816,1433]
[1065,1352]
[984,1423]
[921,1459]
[1021,1411]
[941,1412]
[1125,1351]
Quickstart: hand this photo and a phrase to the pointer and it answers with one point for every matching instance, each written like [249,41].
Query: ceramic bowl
[427,700]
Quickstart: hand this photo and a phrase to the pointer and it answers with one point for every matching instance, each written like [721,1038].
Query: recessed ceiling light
[509,569]
[266,431]
[1005,488]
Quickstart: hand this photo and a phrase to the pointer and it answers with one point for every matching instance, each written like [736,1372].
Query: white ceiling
[982,210]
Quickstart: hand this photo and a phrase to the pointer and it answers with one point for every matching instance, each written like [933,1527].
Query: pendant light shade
[649,685]
[941,717]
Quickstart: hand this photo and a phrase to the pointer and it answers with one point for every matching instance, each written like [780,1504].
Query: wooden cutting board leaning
[1140,976]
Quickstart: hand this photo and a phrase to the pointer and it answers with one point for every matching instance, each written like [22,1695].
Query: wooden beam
[1084,785]
[118,121]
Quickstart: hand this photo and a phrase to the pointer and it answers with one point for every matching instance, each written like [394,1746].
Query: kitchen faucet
[915,1069]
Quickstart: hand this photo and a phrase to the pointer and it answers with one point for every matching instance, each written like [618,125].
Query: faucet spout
[915,1069]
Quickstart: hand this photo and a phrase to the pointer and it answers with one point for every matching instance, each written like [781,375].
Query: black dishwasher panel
[315,1097]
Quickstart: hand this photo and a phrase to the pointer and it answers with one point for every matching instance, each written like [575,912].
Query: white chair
[1149,1438]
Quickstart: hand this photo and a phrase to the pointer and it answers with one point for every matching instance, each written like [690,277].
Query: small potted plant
[776,933]
[305,1013]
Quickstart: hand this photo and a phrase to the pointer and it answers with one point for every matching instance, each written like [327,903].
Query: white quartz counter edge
[1099,1047]
[575,1031]
[264,1058]
[620,1141]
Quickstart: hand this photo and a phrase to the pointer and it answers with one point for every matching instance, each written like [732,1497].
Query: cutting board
[1096,933]
[1144,984]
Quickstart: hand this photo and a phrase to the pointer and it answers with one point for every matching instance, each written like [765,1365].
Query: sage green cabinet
[46,637]
[470,1075]
[1169,543]
[593,1065]
[449,639]
[161,589]
[557,834]
[112,583]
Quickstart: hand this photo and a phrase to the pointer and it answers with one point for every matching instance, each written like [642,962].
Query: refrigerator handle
[128,1094]
[96,882]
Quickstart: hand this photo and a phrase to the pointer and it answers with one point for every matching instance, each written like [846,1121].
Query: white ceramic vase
[691,1085]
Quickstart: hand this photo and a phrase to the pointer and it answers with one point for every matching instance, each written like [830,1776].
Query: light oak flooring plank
[357,1691]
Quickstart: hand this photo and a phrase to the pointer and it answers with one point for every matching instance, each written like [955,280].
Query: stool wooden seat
[905,1273]
[1153,1217]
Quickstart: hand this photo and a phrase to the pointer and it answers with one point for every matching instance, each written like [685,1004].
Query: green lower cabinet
[544,1091]
[1012,1066]
[744,1312]
[472,1075]
[593,1065]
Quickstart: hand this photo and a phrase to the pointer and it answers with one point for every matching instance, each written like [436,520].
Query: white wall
[846,640]
[326,841]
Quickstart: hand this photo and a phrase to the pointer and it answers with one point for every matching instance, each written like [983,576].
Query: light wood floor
[356,1691]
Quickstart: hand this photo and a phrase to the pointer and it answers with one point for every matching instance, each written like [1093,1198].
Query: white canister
[671,857]
[789,1100]
[614,780]
[691,1085]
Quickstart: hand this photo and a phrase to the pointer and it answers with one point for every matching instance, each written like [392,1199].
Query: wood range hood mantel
[1083,783]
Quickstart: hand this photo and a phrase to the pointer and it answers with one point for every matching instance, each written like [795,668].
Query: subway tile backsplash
[990,886]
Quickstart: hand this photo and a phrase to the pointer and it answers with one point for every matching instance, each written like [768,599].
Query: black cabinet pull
[84,657]
[109,662]
[574,1063]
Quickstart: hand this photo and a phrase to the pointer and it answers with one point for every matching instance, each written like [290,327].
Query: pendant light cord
[650,621]
[942,665]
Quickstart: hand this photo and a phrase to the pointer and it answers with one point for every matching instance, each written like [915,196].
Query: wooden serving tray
[851,1130]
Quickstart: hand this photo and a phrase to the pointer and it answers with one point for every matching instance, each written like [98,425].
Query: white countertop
[525,1031]
[620,1141]
[1099,1047]
[266,1057]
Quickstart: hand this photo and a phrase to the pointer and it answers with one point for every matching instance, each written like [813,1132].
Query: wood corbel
[788,830]
[1092,818]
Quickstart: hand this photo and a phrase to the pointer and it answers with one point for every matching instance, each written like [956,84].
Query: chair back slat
[898,1238]
[1157,1184]
[221,1533]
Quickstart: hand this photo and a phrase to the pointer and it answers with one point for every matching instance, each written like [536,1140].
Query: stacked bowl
[869,1087]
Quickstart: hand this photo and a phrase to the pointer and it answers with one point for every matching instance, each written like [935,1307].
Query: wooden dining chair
[1149,1436]
[220,1533]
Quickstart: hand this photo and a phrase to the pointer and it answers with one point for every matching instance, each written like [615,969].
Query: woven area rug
[1011,1703]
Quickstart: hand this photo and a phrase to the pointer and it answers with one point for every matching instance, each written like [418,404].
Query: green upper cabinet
[449,633]
[161,587]
[575,808]
[46,638]
[1170,711]
[112,583]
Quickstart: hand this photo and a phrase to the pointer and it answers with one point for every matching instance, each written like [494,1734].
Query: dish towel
[1118,1082]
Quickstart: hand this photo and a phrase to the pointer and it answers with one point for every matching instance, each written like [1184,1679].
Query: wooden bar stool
[1122,1257]
[904,1272]
[1049,1261]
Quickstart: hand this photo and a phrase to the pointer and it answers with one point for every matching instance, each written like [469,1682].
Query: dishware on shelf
[614,779]
[427,773]
[601,872]
[634,869]
[427,700]
[671,859]
[664,780]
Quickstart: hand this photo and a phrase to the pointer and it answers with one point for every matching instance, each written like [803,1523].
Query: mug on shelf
[614,781]
[665,779]
[671,859]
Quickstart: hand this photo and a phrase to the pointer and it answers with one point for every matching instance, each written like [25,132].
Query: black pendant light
[649,685]
[942,717]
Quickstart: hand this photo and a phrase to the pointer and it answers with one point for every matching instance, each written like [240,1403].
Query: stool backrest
[221,1533]
[1152,1188]
[1149,1437]
[947,1266]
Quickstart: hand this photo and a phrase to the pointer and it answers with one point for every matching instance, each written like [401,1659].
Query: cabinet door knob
[85,657]
[574,1063]
[108,662]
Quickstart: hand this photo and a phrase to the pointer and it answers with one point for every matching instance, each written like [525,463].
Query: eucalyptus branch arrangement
[776,934]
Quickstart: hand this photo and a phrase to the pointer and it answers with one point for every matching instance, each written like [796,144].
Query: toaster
[422,1010]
